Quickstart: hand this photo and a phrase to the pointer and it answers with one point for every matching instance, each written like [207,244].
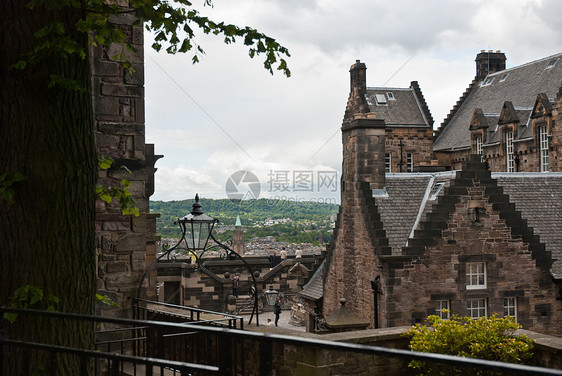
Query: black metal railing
[150,310]
[194,349]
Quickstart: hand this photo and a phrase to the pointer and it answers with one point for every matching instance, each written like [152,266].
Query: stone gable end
[477,233]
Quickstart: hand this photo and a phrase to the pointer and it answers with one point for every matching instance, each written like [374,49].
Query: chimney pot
[357,61]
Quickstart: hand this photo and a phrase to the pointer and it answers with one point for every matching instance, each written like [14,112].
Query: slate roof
[402,107]
[538,196]
[408,201]
[314,289]
[521,87]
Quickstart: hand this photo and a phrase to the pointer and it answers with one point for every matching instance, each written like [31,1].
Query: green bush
[490,338]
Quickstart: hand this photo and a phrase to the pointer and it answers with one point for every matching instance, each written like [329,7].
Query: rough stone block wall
[438,270]
[358,236]
[418,141]
[211,289]
[126,244]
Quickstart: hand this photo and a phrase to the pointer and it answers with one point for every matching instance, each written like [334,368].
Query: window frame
[388,163]
[441,305]
[477,273]
[478,143]
[507,307]
[543,148]
[471,308]
[509,152]
[409,162]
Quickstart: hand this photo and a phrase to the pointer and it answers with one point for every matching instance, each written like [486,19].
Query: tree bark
[47,230]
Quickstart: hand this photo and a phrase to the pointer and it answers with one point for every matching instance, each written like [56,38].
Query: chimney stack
[356,103]
[489,62]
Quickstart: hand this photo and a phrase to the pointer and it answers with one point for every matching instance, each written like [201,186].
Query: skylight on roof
[437,187]
[504,77]
[552,63]
[380,98]
[488,81]
[390,96]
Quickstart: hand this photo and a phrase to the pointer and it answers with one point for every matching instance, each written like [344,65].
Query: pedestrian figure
[283,254]
[277,310]
[298,253]
[235,281]
[271,258]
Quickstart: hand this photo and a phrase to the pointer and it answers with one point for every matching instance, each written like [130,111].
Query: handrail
[286,339]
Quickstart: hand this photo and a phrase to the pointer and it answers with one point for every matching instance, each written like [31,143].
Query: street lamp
[271,295]
[196,230]
[196,227]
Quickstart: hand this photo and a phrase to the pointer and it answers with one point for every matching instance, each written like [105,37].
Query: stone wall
[358,235]
[211,287]
[126,244]
[478,225]
[418,141]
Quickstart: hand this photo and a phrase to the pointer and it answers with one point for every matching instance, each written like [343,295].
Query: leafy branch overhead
[173,22]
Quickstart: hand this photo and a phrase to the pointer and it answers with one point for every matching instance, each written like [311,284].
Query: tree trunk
[47,230]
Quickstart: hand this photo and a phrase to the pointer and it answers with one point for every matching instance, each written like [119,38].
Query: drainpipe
[375,285]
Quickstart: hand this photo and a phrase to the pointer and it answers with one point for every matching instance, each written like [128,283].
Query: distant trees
[255,212]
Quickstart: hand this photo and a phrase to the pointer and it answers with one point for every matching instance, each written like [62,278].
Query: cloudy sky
[228,114]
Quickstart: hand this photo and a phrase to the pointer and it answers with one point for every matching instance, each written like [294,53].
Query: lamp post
[196,231]
[271,295]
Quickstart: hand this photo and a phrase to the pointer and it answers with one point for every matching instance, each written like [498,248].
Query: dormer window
[552,63]
[390,96]
[381,99]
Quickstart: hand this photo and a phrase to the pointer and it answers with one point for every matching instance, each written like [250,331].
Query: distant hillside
[305,216]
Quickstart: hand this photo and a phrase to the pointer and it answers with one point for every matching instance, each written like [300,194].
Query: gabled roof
[399,106]
[537,196]
[519,85]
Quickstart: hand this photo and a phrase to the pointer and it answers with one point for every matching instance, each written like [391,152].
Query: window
[504,77]
[387,162]
[381,99]
[443,310]
[475,275]
[410,162]
[476,308]
[488,81]
[552,63]
[478,144]
[509,151]
[543,141]
[510,307]
[437,187]
[390,96]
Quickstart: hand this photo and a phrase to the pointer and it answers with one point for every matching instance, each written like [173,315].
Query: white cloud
[227,113]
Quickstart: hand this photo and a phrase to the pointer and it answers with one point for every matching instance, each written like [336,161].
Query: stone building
[408,245]
[509,116]
[409,124]
[126,244]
